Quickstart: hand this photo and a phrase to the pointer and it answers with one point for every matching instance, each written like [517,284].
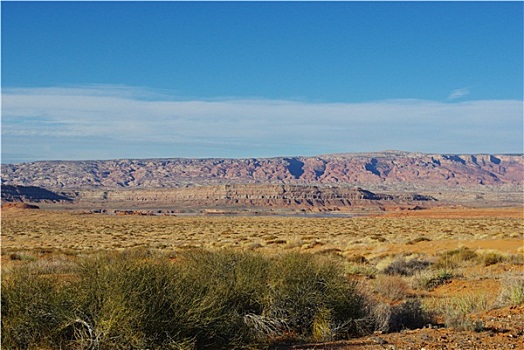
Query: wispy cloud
[104,122]
[459,93]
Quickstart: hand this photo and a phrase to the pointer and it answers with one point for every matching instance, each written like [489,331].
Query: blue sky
[105,80]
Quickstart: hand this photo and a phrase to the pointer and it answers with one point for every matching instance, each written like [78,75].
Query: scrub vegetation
[199,299]
[243,282]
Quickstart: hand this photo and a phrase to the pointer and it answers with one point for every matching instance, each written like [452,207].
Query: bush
[138,300]
[357,259]
[393,288]
[455,258]
[35,307]
[361,270]
[200,300]
[458,312]
[490,258]
[114,295]
[432,279]
[407,315]
[515,259]
[22,257]
[403,267]
[306,291]
[215,292]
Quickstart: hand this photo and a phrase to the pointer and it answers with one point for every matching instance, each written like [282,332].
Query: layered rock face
[385,170]
[219,196]
[248,195]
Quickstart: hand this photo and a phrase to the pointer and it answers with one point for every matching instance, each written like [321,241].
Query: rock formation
[329,180]
[355,169]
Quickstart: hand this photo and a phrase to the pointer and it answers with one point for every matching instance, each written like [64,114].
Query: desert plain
[365,245]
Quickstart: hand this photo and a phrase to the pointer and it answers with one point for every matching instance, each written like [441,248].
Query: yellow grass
[371,237]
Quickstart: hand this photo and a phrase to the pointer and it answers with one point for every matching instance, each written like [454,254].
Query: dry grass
[372,237]
[367,244]
[391,288]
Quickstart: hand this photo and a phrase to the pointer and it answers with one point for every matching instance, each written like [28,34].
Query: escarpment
[339,180]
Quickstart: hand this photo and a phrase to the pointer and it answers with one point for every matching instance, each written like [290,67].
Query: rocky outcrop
[386,170]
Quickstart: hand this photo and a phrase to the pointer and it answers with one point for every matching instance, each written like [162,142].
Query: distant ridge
[395,170]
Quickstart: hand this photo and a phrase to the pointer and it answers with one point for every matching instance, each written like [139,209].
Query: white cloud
[458,93]
[66,120]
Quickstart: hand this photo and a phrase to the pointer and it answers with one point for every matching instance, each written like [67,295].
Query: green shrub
[200,300]
[304,288]
[515,259]
[222,288]
[110,294]
[357,259]
[459,312]
[457,257]
[35,307]
[137,299]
